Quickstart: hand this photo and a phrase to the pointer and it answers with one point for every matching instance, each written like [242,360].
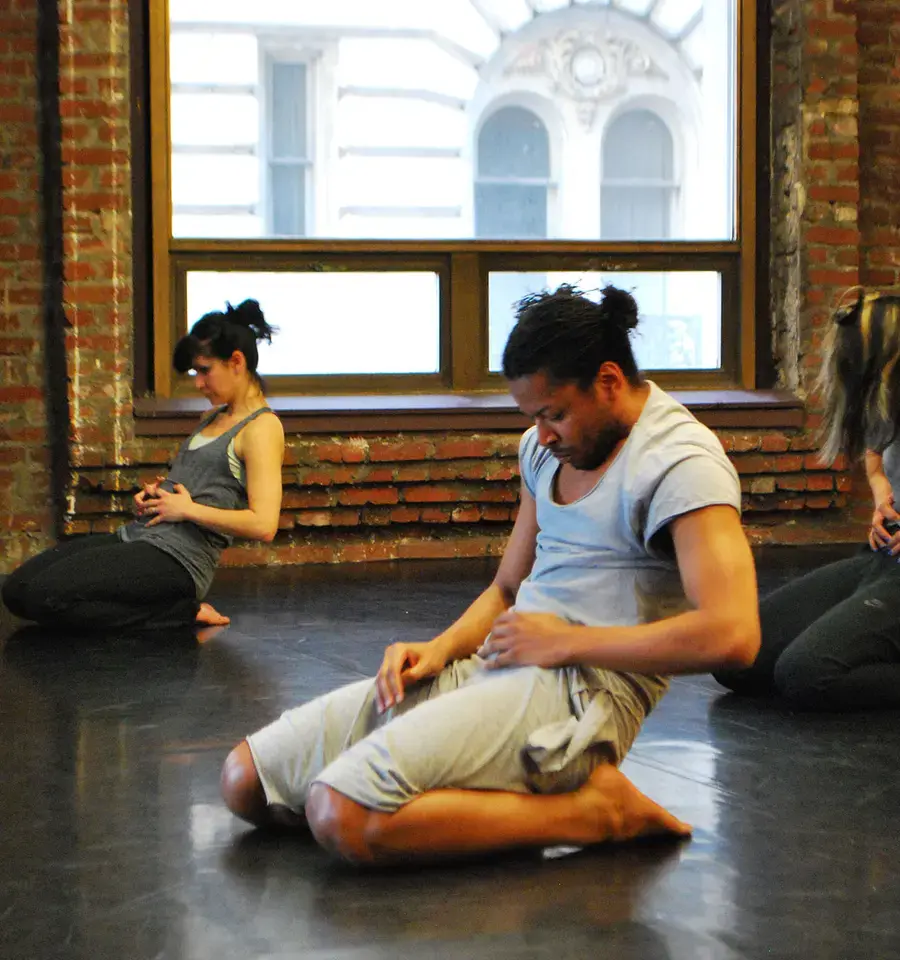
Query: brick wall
[879,116]
[25,520]
[446,494]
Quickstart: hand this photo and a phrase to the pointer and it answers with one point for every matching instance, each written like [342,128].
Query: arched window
[512,176]
[638,178]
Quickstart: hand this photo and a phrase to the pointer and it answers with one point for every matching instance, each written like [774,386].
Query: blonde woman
[831,639]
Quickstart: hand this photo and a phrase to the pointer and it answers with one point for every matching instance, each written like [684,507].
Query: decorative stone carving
[585,67]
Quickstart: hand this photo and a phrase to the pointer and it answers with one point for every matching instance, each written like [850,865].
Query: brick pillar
[96,145]
[816,178]
[25,515]
[879,96]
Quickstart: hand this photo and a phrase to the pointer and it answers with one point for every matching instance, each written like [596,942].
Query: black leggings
[100,583]
[830,640]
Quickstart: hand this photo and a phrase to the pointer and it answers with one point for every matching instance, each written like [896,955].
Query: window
[414,169]
[513,175]
[638,178]
[289,161]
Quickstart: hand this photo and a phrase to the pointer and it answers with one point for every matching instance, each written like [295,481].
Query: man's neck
[633,403]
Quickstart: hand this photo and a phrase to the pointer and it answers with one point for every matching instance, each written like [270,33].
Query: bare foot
[614,809]
[205,634]
[208,616]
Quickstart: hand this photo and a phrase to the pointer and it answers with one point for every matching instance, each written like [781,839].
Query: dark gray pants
[99,583]
[831,639]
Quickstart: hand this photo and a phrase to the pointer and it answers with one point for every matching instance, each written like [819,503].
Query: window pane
[510,212]
[513,143]
[404,111]
[680,313]
[215,180]
[334,323]
[637,146]
[213,58]
[288,200]
[636,213]
[288,122]
[638,178]
[217,120]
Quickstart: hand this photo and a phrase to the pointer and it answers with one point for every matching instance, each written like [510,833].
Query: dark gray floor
[114,844]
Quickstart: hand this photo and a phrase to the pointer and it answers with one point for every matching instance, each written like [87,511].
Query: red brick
[301,499]
[791,482]
[790,463]
[833,236]
[410,474]
[458,449]
[844,484]
[345,518]
[834,278]
[361,495]
[429,493]
[820,481]
[376,516]
[495,514]
[405,515]
[753,463]
[398,450]
[774,443]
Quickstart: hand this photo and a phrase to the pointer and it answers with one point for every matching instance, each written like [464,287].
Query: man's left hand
[170,507]
[527,639]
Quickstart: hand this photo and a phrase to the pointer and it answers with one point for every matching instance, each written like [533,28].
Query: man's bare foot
[614,809]
[208,616]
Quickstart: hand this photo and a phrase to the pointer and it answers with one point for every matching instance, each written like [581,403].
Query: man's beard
[602,448]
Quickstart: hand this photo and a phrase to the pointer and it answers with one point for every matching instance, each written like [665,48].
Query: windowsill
[738,409]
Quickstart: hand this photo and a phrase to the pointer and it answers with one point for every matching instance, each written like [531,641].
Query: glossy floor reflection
[114,843]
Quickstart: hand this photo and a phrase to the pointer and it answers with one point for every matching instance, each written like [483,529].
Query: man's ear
[609,380]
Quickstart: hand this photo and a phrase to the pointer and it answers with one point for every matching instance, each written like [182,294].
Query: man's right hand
[405,664]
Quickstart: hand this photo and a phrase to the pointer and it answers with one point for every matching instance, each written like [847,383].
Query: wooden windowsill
[737,409]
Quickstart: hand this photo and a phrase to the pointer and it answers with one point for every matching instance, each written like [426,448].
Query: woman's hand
[169,507]
[405,664]
[148,492]
[880,538]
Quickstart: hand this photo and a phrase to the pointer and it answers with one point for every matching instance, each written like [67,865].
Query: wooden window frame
[463,265]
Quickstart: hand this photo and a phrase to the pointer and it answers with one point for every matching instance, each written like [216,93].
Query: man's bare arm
[722,631]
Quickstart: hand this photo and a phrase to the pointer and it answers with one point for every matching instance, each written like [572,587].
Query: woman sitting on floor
[225,482]
[831,639]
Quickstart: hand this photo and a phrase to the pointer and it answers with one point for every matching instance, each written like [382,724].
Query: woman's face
[218,380]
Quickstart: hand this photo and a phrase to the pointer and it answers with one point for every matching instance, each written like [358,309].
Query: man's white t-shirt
[607,559]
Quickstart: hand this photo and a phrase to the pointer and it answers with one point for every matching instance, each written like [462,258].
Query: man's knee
[342,826]
[242,790]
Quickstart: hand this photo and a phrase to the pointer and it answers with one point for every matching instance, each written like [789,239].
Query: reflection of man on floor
[466,744]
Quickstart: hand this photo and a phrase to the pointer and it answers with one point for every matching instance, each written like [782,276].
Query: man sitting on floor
[507,729]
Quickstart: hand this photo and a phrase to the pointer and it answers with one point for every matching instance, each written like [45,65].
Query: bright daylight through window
[476,122]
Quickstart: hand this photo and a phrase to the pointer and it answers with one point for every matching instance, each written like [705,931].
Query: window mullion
[467,321]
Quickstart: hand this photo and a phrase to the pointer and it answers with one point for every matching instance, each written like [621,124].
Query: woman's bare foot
[614,809]
[208,616]
[205,634]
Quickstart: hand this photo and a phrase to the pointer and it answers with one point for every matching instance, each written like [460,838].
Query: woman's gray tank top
[206,474]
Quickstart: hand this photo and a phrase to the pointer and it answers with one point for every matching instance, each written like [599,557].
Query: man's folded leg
[451,778]
[266,778]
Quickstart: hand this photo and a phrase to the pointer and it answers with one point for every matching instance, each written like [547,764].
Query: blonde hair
[860,376]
